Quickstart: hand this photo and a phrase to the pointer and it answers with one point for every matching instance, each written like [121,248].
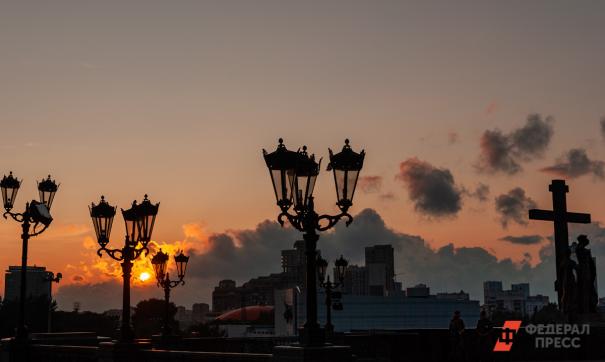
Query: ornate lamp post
[329,286]
[293,175]
[36,213]
[51,278]
[139,221]
[159,262]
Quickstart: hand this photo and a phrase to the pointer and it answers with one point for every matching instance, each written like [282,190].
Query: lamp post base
[165,341]
[121,351]
[312,336]
[326,353]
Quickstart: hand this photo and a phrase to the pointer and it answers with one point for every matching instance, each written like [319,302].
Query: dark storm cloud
[370,184]
[532,139]
[575,163]
[249,253]
[505,152]
[496,154]
[432,189]
[513,206]
[523,239]
[445,268]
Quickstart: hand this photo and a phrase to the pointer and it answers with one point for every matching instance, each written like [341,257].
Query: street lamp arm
[138,252]
[35,233]
[18,217]
[293,219]
[166,283]
[115,254]
[174,283]
[333,220]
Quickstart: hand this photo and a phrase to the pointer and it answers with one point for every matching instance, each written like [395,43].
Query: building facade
[37,283]
[396,312]
[380,264]
[517,299]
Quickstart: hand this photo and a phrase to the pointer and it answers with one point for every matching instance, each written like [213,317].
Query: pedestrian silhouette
[485,340]
[456,331]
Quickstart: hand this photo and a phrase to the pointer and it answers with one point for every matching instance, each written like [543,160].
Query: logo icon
[509,331]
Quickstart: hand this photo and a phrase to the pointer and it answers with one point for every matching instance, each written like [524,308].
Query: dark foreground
[408,345]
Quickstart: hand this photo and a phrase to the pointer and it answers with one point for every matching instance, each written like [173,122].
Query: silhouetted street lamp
[139,221]
[36,213]
[293,175]
[329,286]
[159,262]
[51,278]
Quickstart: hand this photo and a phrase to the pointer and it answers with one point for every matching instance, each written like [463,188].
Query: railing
[165,356]
[52,353]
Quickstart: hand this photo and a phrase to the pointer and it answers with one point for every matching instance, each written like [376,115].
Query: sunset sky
[467,110]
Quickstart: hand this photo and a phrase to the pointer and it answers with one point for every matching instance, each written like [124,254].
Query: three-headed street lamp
[139,221]
[329,286]
[36,213]
[160,262]
[293,175]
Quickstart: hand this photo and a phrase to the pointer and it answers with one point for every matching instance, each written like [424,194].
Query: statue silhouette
[586,276]
[569,285]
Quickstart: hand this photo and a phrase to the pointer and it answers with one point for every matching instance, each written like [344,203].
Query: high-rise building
[521,288]
[225,296]
[199,312]
[37,283]
[356,280]
[293,263]
[490,291]
[380,264]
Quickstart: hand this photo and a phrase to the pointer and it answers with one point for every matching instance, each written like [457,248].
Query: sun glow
[144,276]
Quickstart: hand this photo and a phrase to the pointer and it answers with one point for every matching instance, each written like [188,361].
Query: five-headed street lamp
[329,286]
[36,213]
[139,221]
[159,262]
[293,175]
[51,278]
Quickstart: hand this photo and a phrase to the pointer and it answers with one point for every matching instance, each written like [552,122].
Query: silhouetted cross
[560,218]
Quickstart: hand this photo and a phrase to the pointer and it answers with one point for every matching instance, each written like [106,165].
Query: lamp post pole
[21,329]
[159,262]
[329,286]
[293,175]
[35,213]
[311,326]
[139,220]
[50,278]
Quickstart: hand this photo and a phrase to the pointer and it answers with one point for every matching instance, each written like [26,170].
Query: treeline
[147,320]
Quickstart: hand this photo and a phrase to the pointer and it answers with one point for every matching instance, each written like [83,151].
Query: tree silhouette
[148,317]
[36,317]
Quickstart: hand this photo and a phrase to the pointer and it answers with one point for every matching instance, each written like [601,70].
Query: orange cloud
[95,269]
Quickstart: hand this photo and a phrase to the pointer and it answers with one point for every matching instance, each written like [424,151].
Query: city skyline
[179,103]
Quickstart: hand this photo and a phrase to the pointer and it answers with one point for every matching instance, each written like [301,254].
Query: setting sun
[144,276]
